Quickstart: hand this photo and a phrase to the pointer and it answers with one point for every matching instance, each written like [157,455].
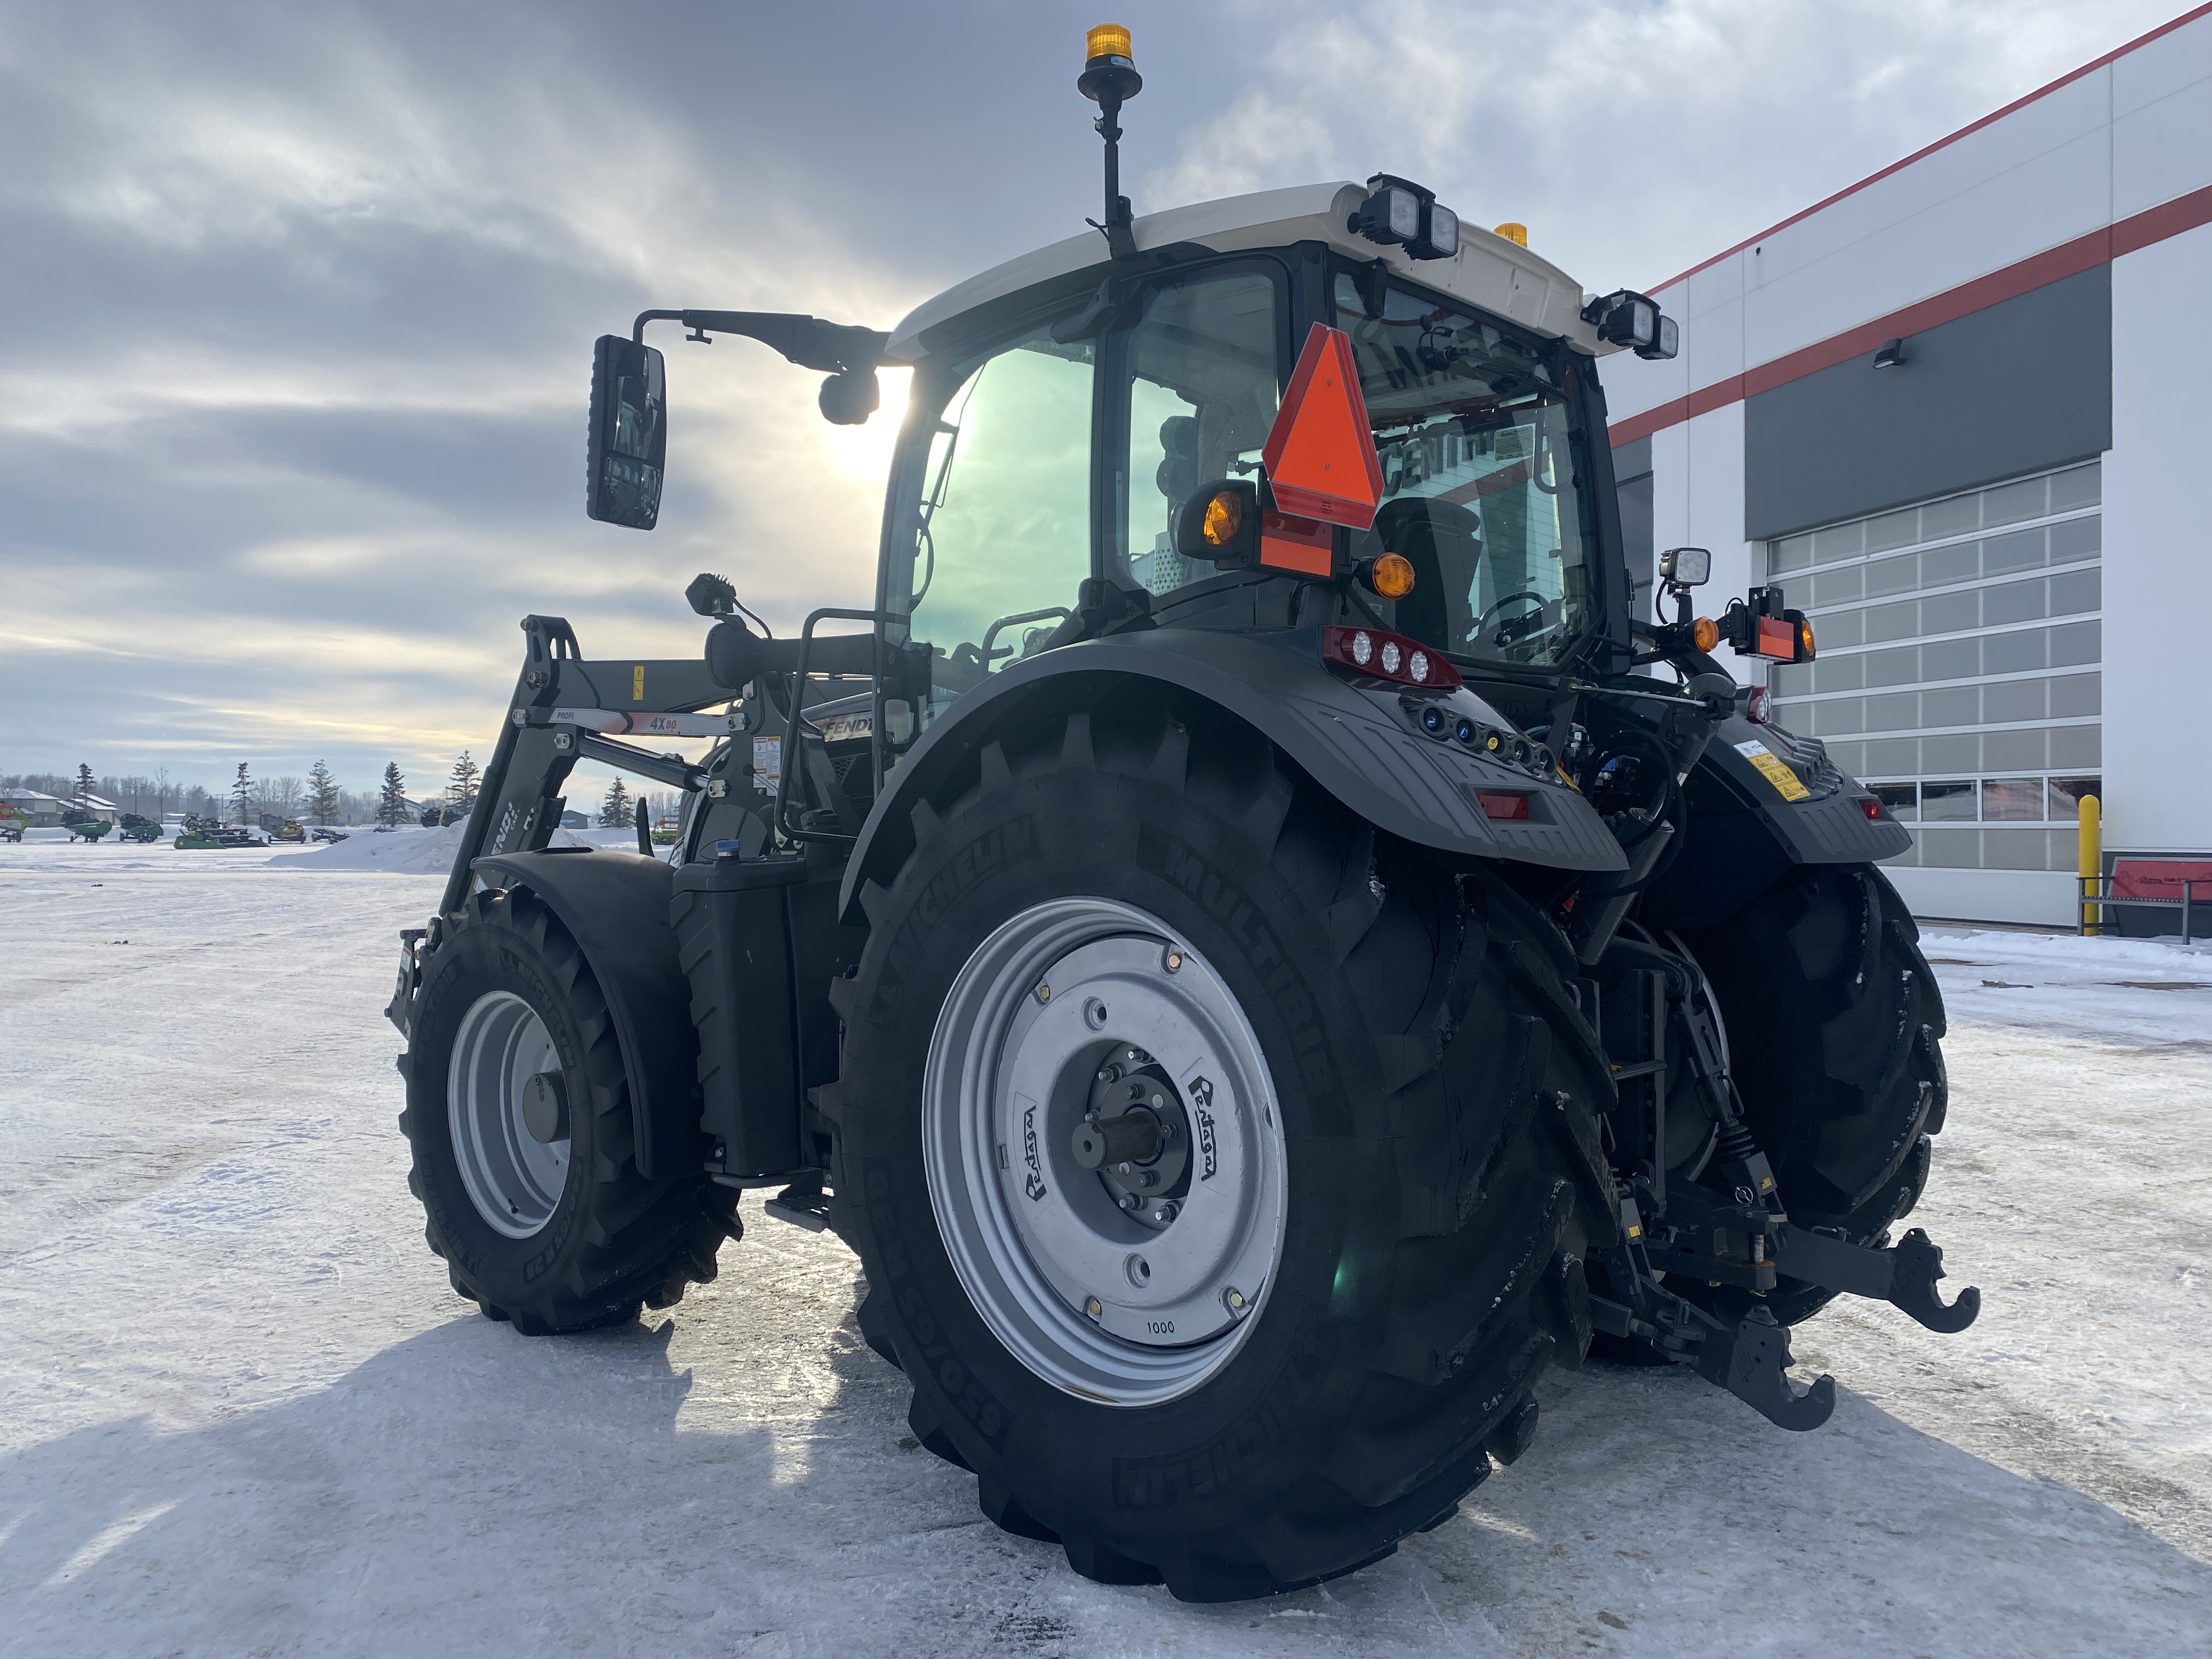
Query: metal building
[1958,411]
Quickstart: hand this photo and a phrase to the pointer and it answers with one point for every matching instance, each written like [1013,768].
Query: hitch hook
[1919,1264]
[1752,1364]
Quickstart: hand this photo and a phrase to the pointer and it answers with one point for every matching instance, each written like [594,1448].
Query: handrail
[2095,892]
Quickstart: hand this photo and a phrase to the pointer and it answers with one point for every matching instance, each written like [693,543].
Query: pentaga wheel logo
[1202,1094]
[1033,1182]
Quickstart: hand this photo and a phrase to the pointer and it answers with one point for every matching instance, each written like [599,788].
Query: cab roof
[1489,272]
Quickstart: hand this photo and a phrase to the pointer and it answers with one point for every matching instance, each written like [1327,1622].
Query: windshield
[1474,429]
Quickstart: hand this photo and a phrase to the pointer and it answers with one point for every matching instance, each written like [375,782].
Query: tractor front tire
[556,1235]
[1382,1100]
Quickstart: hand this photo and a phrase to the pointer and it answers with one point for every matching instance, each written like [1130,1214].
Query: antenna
[1109,78]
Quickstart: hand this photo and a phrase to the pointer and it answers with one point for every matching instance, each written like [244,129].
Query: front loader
[1248,937]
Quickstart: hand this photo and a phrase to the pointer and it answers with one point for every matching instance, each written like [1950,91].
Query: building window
[1959,674]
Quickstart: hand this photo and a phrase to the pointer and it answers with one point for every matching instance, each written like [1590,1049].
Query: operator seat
[1442,541]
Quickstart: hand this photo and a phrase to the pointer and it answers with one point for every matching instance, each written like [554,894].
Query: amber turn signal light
[1705,633]
[1804,639]
[1391,577]
[1225,518]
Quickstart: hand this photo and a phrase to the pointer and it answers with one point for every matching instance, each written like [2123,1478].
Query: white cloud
[1633,139]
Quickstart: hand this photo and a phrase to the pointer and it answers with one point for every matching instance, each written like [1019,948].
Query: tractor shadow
[732,1478]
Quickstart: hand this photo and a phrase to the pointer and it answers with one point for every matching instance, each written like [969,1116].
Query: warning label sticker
[1776,773]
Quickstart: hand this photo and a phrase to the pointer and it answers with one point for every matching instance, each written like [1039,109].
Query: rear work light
[1388,656]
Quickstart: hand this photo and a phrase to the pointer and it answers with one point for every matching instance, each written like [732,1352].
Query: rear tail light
[1388,656]
[1515,807]
[1754,708]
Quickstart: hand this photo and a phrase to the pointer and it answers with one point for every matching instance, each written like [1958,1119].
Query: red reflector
[1871,808]
[1503,806]
[1778,638]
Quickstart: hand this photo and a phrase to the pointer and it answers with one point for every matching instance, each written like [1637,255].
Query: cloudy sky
[299,300]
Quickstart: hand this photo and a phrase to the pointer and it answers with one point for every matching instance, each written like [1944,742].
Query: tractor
[1248,936]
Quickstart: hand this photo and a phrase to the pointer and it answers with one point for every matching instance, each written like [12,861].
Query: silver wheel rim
[513,1179]
[1106,1306]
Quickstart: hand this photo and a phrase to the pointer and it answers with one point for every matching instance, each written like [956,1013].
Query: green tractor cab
[1252,941]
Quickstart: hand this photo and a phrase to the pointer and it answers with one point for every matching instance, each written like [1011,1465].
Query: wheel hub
[1104,1155]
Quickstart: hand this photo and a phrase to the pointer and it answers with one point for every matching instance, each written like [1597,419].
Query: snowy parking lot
[241,1412]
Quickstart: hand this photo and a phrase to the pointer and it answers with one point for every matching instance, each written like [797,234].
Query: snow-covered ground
[240,1411]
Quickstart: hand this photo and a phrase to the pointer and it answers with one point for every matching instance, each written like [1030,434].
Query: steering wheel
[1482,623]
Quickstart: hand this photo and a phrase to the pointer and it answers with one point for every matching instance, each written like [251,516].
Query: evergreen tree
[614,812]
[391,800]
[83,781]
[325,798]
[461,787]
[241,794]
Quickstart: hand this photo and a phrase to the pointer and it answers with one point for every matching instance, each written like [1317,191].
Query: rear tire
[1835,1026]
[558,1237]
[1431,1097]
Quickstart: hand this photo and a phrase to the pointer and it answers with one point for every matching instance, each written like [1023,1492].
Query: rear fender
[615,906]
[1361,746]
[1748,827]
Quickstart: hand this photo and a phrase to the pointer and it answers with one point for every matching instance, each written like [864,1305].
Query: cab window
[1198,379]
[1477,429]
[998,541]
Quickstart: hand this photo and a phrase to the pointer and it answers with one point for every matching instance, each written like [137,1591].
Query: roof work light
[1399,212]
[1629,318]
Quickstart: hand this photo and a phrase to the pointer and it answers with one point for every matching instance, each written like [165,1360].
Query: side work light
[1401,213]
[1625,318]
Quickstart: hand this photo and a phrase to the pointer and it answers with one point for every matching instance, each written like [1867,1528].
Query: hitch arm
[1905,1276]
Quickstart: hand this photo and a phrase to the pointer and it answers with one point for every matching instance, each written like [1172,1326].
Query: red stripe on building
[2137,231]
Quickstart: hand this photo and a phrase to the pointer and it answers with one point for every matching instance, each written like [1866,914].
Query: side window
[1002,529]
[1200,377]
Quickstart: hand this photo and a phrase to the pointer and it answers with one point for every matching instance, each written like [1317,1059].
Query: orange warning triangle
[1320,453]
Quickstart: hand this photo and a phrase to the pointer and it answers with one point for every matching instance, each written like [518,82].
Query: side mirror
[629,441]
[1685,567]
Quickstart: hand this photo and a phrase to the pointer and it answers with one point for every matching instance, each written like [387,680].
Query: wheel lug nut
[1174,961]
[1233,1299]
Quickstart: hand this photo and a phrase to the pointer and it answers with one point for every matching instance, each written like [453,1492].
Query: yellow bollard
[2091,863]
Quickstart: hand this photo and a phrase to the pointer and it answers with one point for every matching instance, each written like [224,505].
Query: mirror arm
[808,341]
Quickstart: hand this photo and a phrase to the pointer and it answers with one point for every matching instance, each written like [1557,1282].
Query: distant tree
[325,798]
[461,786]
[241,794]
[83,781]
[614,812]
[391,800]
[161,792]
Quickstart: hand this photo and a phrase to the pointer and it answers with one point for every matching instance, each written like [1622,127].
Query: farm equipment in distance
[1236,941]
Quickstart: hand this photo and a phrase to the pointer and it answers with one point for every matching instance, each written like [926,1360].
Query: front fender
[615,906]
[1360,744]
